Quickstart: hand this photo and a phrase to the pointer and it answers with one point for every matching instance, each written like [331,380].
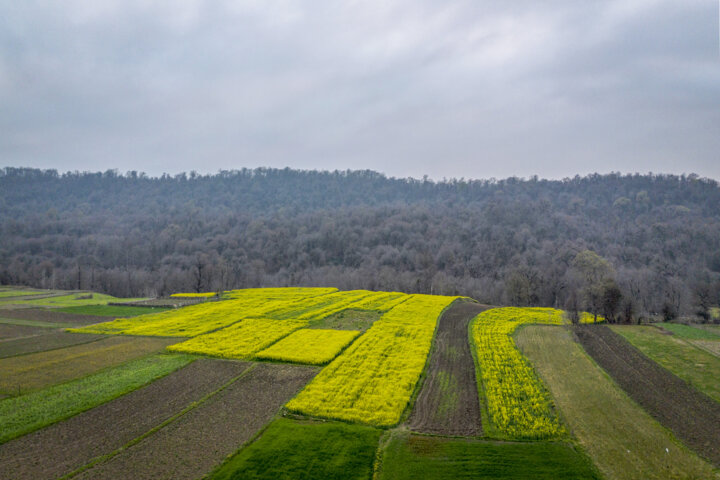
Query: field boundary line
[156,428]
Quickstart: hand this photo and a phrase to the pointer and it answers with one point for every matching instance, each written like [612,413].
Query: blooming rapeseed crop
[313,346]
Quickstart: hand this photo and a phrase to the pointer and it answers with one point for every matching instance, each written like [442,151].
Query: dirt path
[692,416]
[448,401]
[201,439]
[71,444]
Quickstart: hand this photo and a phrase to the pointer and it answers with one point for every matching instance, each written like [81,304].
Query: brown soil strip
[448,400]
[68,445]
[43,369]
[201,439]
[44,315]
[44,343]
[693,417]
[12,332]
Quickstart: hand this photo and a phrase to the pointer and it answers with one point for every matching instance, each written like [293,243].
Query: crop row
[373,380]
[312,346]
[194,295]
[517,405]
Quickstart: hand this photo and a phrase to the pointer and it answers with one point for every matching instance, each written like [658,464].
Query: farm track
[448,400]
[692,416]
[68,445]
[201,439]
[44,343]
[53,316]
[43,369]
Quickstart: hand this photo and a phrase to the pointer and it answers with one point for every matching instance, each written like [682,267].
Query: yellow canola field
[373,380]
[312,346]
[382,301]
[517,404]
[280,293]
[240,340]
[197,319]
[194,295]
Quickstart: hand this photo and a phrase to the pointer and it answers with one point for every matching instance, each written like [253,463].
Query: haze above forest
[652,241]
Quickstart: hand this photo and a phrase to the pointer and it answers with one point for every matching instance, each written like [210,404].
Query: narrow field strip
[414,457]
[373,380]
[70,444]
[290,449]
[696,366]
[23,374]
[624,442]
[692,416]
[309,346]
[448,401]
[199,441]
[24,414]
[115,311]
[514,401]
[52,315]
[44,343]
[12,332]
[689,332]
[34,323]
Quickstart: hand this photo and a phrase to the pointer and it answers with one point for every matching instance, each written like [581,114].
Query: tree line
[624,246]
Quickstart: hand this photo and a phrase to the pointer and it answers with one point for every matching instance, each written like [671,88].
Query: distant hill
[510,241]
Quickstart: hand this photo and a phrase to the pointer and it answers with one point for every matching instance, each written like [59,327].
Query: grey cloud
[457,88]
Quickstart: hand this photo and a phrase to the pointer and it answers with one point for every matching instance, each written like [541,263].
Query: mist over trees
[622,246]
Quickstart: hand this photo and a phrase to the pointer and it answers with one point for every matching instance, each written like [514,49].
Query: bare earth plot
[43,343]
[691,415]
[68,445]
[202,438]
[448,401]
[43,369]
[623,440]
[11,332]
[53,316]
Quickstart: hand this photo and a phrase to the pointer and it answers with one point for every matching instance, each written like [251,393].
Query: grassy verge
[305,450]
[24,414]
[690,333]
[73,300]
[408,456]
[111,310]
[697,367]
[621,438]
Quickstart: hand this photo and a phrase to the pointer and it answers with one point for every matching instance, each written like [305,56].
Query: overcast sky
[447,88]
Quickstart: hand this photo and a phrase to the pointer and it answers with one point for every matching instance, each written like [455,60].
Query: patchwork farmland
[316,383]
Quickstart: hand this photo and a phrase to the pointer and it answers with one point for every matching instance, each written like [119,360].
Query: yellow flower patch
[312,346]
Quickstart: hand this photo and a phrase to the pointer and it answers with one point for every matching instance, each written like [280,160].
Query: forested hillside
[626,246]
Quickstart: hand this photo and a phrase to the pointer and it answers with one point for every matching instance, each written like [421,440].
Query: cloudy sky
[450,88]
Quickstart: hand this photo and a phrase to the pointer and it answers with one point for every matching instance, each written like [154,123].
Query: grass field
[29,412]
[112,310]
[690,332]
[350,319]
[697,367]
[408,456]
[623,440]
[290,449]
[71,300]
[20,293]
[39,370]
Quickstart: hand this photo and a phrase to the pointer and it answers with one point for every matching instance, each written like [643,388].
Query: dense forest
[626,246]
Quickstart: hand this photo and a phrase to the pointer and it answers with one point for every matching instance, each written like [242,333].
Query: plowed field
[68,445]
[691,415]
[448,401]
[201,439]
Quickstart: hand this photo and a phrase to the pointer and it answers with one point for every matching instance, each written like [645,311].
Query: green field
[72,300]
[348,320]
[290,449]
[117,311]
[23,414]
[697,367]
[689,332]
[623,440]
[20,293]
[408,456]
